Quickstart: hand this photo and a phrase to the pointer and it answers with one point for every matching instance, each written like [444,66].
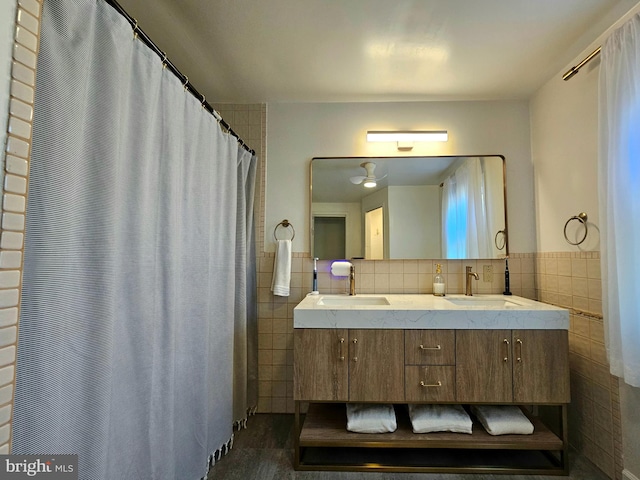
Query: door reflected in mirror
[374,234]
[411,207]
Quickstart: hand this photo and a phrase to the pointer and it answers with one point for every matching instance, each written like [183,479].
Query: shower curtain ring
[135,29]
[204,101]
[164,60]
[186,82]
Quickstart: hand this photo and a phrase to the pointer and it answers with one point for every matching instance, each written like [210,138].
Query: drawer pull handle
[438,384]
[506,343]
[437,347]
[519,342]
[341,350]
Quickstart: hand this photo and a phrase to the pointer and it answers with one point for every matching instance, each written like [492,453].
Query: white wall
[564,126]
[298,132]
[414,222]
[7,27]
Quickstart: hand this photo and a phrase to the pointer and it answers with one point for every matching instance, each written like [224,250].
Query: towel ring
[582,218]
[284,223]
[504,239]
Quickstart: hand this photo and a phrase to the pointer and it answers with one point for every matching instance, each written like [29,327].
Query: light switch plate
[487,273]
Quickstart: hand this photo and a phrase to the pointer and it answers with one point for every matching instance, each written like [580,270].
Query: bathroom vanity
[409,349]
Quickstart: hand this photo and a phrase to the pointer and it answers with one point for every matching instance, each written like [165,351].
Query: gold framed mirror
[441,207]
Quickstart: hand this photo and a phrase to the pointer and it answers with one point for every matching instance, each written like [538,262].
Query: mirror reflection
[408,207]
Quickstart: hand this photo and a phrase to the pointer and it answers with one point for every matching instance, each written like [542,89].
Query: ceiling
[264,51]
[331,176]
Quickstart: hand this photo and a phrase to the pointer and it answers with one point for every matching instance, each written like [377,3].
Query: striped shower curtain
[137,308]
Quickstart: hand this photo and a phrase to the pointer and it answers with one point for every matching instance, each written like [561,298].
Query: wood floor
[264,451]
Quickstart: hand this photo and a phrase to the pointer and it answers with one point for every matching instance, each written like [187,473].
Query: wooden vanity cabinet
[376,366]
[320,367]
[512,366]
[348,365]
[540,366]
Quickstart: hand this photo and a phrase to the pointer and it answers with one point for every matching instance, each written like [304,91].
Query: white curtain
[465,223]
[138,274]
[619,182]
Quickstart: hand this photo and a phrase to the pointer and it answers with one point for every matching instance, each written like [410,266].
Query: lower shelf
[325,444]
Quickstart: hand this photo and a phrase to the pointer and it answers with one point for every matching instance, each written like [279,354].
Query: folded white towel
[439,418]
[281,281]
[503,419]
[371,418]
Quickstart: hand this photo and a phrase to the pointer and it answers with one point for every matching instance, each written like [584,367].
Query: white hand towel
[439,418]
[371,418]
[281,282]
[503,419]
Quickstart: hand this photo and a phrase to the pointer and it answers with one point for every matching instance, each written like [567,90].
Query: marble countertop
[429,312]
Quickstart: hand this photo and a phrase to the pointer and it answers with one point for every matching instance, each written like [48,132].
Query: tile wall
[14,197]
[572,280]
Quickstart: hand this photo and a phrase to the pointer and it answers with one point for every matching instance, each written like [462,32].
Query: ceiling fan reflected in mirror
[369,180]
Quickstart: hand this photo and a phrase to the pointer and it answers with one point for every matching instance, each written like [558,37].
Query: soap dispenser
[438,282]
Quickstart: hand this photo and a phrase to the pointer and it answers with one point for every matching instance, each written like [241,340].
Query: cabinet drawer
[429,347]
[430,384]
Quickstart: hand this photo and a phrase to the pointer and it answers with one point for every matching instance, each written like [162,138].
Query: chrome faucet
[352,280]
[468,277]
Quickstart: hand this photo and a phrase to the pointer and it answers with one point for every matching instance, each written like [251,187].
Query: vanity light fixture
[406,138]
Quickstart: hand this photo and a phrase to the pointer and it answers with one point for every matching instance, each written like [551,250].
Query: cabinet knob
[355,340]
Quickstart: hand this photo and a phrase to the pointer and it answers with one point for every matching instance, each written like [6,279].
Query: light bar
[407,136]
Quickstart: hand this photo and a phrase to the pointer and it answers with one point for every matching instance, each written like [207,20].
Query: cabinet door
[376,365]
[540,366]
[483,366]
[320,367]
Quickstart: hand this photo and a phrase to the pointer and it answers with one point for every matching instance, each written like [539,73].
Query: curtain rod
[137,31]
[573,70]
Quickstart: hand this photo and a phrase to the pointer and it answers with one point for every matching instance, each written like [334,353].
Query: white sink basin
[427,312]
[355,300]
[481,302]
